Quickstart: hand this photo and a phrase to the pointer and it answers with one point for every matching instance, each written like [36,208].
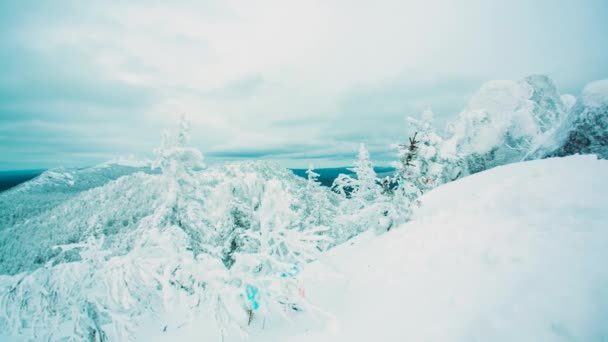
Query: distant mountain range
[327,175]
[9,179]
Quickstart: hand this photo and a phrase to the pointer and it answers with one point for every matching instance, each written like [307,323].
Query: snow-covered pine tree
[364,187]
[422,165]
[320,206]
[406,191]
[365,206]
[430,165]
[368,188]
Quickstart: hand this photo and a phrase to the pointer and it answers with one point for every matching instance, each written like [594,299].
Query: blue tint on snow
[252,292]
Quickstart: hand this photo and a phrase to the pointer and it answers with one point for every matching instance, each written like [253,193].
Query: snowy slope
[516,253]
[53,187]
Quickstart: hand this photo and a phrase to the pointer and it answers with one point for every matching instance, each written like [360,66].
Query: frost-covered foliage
[421,166]
[227,241]
[503,121]
[366,206]
[420,161]
[568,100]
[585,130]
[321,206]
[548,108]
[55,186]
[363,187]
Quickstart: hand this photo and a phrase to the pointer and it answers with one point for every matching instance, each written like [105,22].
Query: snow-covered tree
[406,178]
[320,203]
[503,122]
[364,187]
[427,165]
[175,157]
[365,206]
[585,128]
[367,188]
[421,165]
[278,248]
[211,242]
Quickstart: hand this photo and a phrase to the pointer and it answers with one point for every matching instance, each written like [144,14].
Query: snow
[184,252]
[53,187]
[595,94]
[584,130]
[515,253]
[96,262]
[503,121]
[568,100]
[492,108]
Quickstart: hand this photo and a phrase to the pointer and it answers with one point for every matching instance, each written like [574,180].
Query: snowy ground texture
[516,253]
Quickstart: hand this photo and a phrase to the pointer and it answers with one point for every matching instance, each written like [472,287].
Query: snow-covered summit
[503,120]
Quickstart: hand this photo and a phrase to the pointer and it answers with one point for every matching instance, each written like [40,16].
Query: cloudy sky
[295,81]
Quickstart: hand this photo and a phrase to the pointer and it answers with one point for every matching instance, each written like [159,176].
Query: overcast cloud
[293,81]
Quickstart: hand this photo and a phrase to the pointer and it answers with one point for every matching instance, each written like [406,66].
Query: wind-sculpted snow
[503,121]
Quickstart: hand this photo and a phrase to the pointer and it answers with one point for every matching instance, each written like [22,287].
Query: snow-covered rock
[585,130]
[516,253]
[503,120]
[568,100]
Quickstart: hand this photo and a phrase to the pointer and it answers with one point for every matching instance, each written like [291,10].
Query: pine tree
[420,167]
[430,164]
[364,187]
[365,207]
[367,182]
[319,204]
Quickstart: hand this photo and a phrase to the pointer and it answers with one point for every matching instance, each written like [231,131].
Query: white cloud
[270,73]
